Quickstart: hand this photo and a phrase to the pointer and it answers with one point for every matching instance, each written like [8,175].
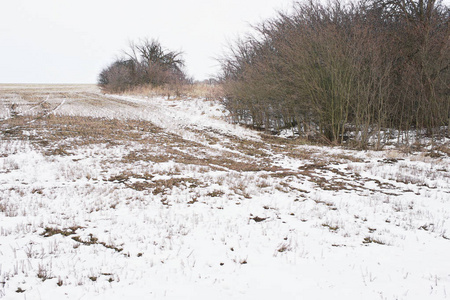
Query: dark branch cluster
[344,70]
[144,63]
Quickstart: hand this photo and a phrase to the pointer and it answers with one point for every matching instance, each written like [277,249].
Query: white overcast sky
[70,41]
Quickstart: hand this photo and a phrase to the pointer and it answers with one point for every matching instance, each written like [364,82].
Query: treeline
[145,63]
[339,72]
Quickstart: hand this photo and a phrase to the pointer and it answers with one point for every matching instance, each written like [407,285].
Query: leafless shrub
[344,72]
[145,63]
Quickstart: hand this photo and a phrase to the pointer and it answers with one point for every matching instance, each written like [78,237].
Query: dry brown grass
[160,186]
[61,135]
[80,130]
[196,90]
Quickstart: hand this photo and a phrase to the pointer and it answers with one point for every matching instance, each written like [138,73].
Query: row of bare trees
[345,71]
[144,63]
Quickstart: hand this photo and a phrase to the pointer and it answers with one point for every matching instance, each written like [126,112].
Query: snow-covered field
[125,197]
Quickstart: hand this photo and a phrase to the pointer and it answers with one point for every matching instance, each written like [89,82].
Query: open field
[127,197]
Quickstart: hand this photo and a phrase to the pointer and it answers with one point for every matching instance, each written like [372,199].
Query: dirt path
[192,119]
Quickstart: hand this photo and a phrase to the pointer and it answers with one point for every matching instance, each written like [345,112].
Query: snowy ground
[121,197]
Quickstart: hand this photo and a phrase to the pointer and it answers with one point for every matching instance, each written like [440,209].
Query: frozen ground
[121,197]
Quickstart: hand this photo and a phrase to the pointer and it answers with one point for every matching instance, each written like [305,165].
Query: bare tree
[145,62]
[344,71]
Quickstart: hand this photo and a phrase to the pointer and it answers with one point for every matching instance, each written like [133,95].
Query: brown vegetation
[205,90]
[342,72]
[145,63]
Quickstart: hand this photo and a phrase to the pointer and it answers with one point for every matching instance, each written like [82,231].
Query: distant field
[133,197]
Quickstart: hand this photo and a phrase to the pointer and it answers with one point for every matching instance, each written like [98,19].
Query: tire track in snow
[188,124]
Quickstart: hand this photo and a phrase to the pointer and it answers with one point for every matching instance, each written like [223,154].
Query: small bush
[145,63]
